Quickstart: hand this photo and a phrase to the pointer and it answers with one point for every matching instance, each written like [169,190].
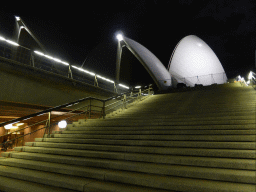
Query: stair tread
[246,164]
[142,179]
[16,180]
[120,144]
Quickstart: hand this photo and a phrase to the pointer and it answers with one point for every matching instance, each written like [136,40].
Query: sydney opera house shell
[194,62]
[151,63]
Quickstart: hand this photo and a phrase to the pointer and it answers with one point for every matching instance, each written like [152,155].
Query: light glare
[10,126]
[11,42]
[124,86]
[250,75]
[2,38]
[120,37]
[62,124]
[17,18]
[39,53]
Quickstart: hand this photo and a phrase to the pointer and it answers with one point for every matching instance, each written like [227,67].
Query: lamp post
[118,59]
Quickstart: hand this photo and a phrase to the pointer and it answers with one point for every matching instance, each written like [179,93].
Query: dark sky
[75,31]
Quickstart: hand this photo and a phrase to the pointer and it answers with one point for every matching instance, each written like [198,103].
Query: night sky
[86,30]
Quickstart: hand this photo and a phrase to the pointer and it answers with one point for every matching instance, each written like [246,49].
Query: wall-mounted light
[10,126]
[62,124]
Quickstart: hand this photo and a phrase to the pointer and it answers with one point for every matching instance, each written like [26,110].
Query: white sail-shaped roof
[194,62]
[152,64]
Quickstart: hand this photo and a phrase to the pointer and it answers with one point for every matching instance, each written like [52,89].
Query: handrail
[122,101]
[46,111]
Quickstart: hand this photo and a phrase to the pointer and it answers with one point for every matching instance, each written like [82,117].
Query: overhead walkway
[201,140]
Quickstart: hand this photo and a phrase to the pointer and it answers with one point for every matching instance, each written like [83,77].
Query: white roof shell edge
[153,65]
[194,62]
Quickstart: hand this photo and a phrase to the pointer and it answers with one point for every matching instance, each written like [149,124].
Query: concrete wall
[2,132]
[25,84]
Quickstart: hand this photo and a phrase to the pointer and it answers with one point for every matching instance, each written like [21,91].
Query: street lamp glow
[39,53]
[120,37]
[124,86]
[10,126]
[2,38]
[250,75]
[17,18]
[13,43]
[138,87]
[62,124]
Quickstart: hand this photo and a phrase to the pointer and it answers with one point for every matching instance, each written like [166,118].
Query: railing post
[49,124]
[70,75]
[96,81]
[103,110]
[32,60]
[124,102]
[90,108]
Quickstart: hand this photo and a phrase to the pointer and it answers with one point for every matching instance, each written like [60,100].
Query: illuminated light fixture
[120,37]
[19,124]
[57,60]
[9,41]
[51,58]
[65,63]
[2,38]
[10,126]
[12,42]
[250,75]
[17,18]
[93,74]
[39,53]
[124,86]
[138,87]
[62,124]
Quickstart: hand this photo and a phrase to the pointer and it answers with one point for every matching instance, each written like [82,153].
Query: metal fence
[217,78]
[28,57]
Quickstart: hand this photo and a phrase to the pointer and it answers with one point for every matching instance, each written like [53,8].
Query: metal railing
[87,108]
[217,78]
[27,57]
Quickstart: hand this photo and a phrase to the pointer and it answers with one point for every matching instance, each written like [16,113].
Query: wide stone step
[197,107]
[15,179]
[156,127]
[166,123]
[237,138]
[123,117]
[228,153]
[237,176]
[119,145]
[17,185]
[134,165]
[166,132]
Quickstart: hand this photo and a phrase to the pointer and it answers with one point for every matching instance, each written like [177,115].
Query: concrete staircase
[201,140]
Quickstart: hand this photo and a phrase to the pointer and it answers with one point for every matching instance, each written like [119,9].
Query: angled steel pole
[118,62]
[22,25]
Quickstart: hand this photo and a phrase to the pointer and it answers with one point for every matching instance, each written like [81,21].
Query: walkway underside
[201,140]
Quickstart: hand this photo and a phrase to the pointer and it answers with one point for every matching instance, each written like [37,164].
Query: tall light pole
[118,59]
